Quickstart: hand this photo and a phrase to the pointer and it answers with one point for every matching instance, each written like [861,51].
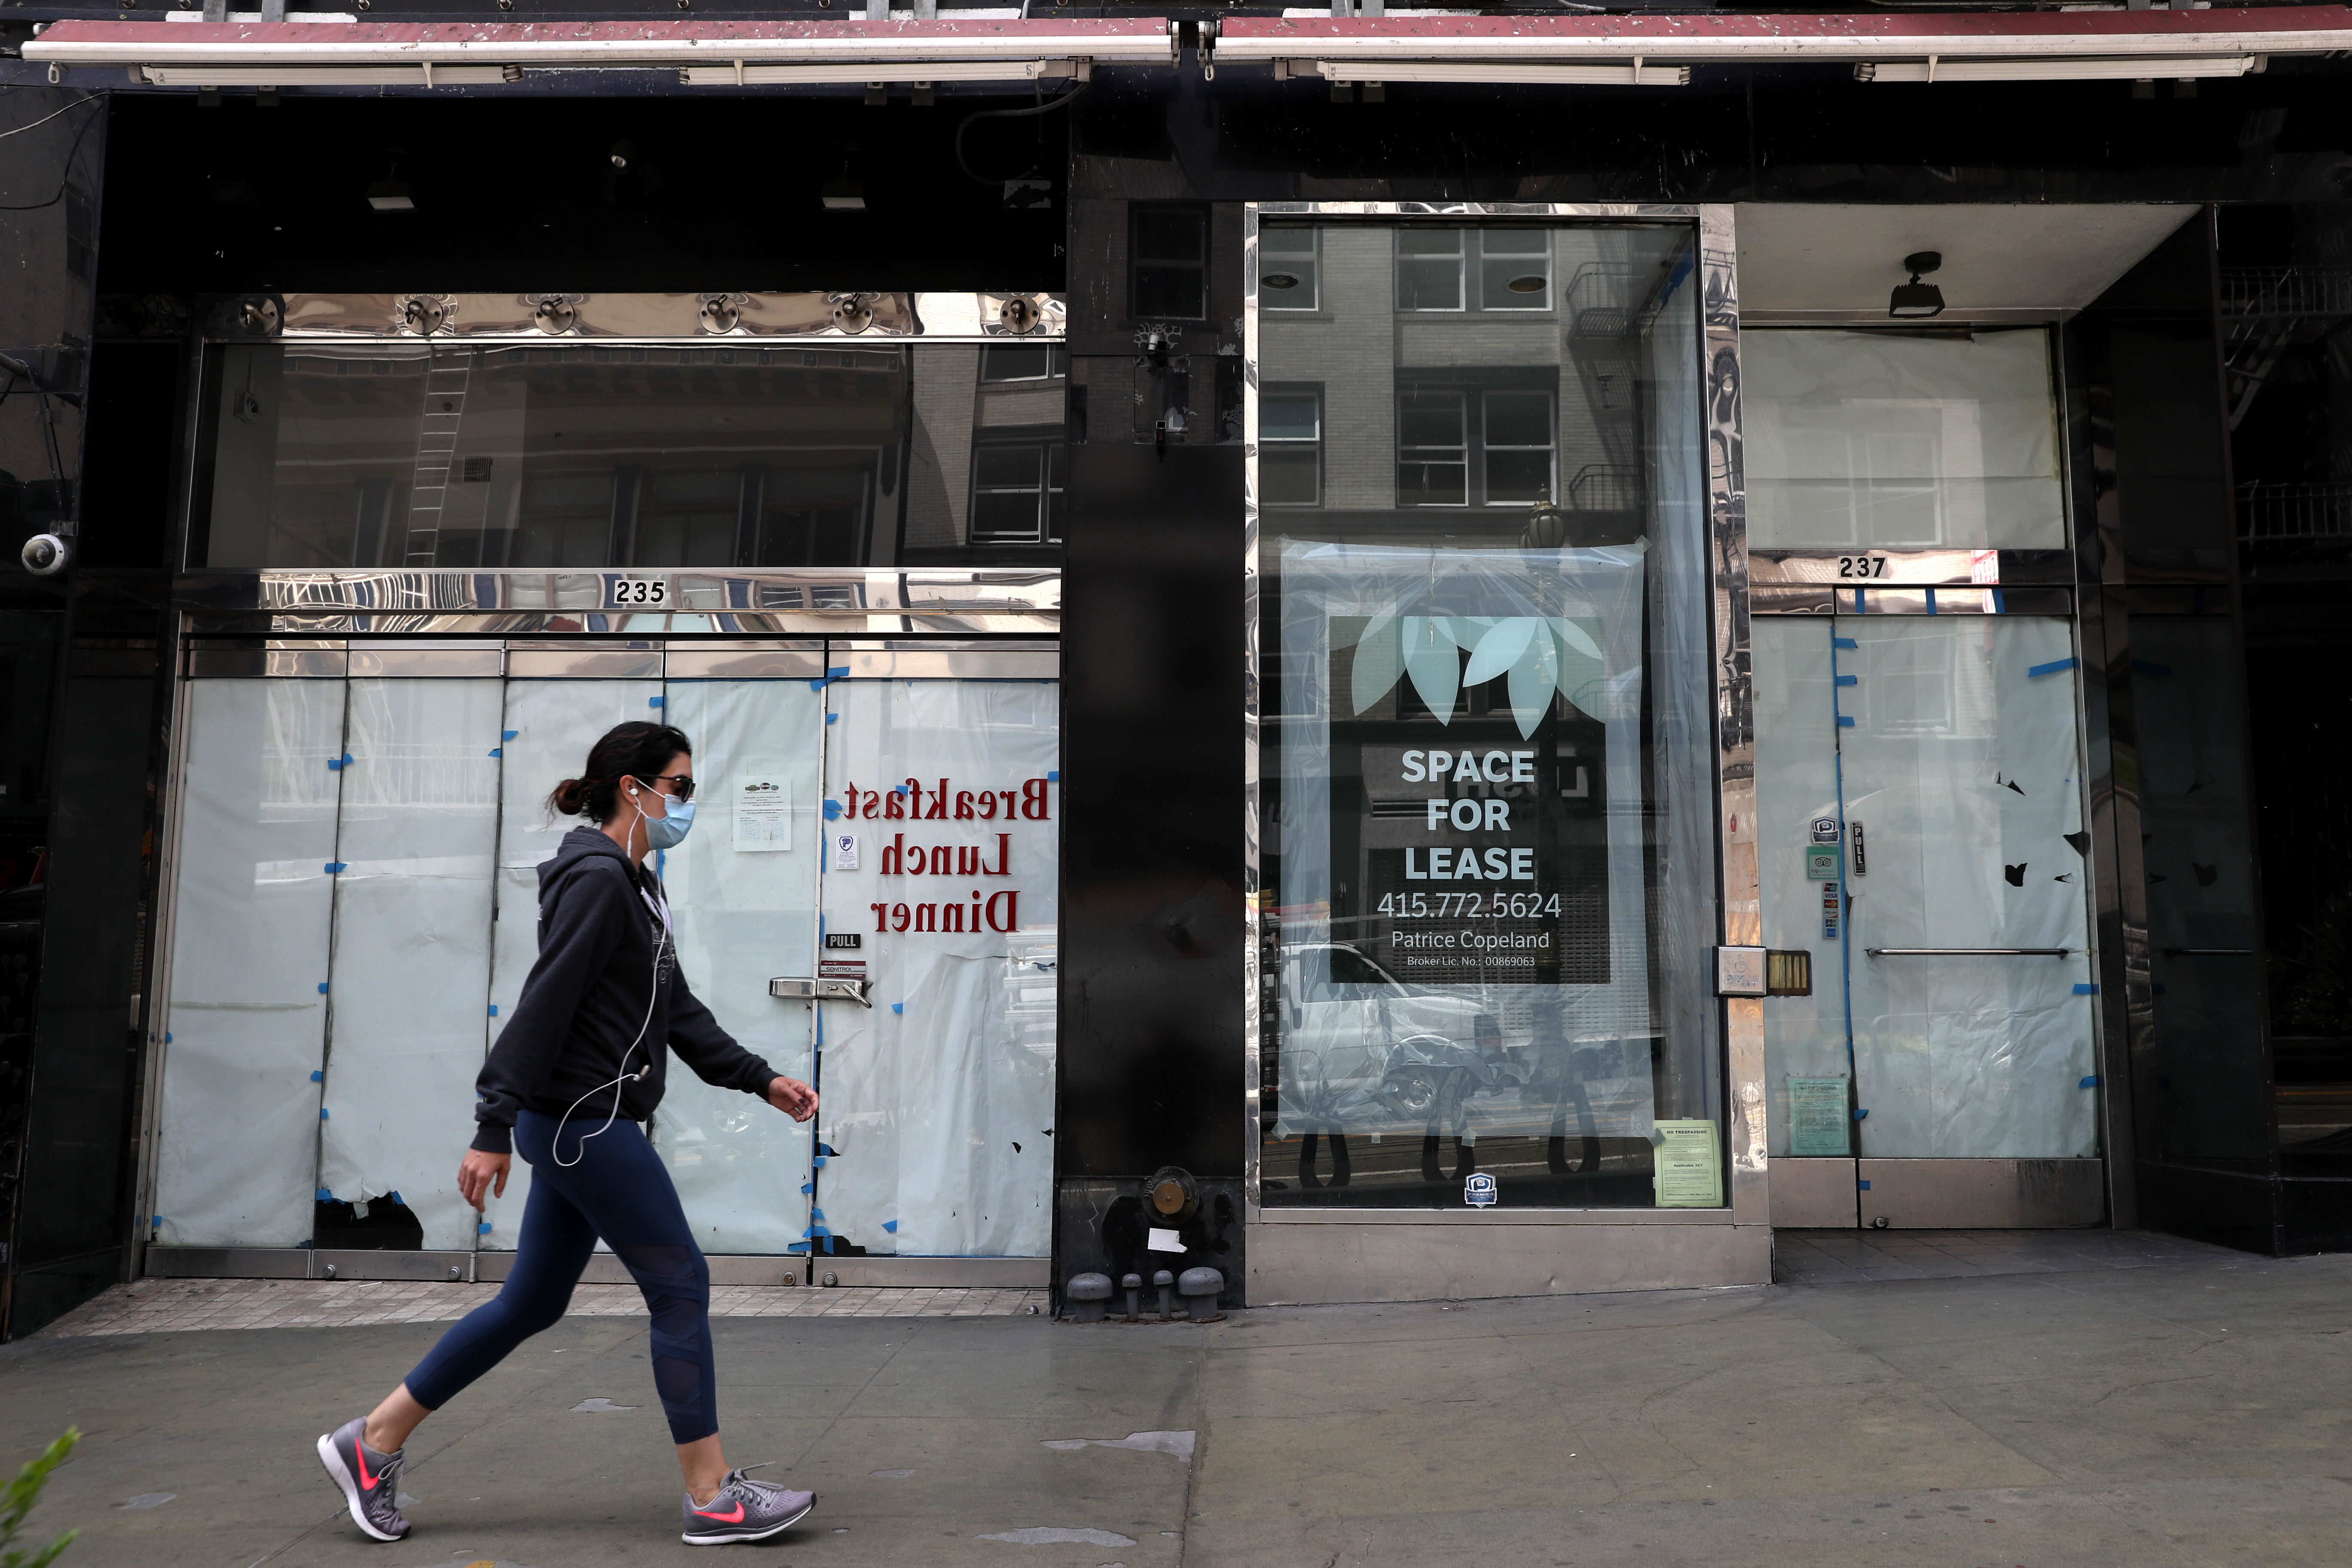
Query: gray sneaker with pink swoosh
[744,1509]
[370,1479]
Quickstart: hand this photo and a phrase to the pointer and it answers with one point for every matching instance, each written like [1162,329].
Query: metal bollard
[1133,1285]
[1200,1287]
[1167,1283]
[1089,1296]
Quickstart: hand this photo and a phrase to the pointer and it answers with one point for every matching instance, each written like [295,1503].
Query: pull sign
[1860,861]
[838,940]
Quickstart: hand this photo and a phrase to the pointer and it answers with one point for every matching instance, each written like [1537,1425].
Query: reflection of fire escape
[1606,303]
[2266,310]
[2278,514]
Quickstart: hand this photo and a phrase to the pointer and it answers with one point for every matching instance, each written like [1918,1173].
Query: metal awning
[344,52]
[1630,50]
[1659,50]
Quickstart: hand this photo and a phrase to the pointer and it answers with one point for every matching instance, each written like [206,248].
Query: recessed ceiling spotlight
[1280,280]
[1915,300]
[1533,283]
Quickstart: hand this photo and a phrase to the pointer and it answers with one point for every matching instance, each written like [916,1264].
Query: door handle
[1967,952]
[826,990]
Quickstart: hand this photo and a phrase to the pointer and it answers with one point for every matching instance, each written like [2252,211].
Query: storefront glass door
[1921,834]
[880,814]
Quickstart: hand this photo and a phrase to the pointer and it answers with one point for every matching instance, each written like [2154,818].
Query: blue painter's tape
[898,790]
[891,1225]
[508,734]
[1054,775]
[816,1216]
[395,1197]
[833,672]
[167,1036]
[2055,667]
[807,1187]
[831,809]
[494,1009]
[337,867]
[322,1113]
[2087,991]
[825,1149]
[156,1222]
[325,1197]
[1859,608]
[1849,680]
[483,1228]
[322,988]
[1860,1114]
[1931,601]
[1999,603]
[1844,722]
[317,1077]
[498,750]
[2090,1082]
[799,1246]
[1844,642]
[656,702]
[819,1159]
[1860,1186]
[832,717]
[899,1008]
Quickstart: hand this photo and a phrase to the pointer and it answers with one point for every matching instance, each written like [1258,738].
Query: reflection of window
[1433,449]
[1289,269]
[686,517]
[1436,270]
[1515,269]
[1168,253]
[1002,363]
[1461,448]
[1017,492]
[1290,447]
[1910,686]
[812,516]
[567,520]
[1518,440]
[1428,268]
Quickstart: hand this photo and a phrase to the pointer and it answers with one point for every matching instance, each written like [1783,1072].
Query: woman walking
[573,1081]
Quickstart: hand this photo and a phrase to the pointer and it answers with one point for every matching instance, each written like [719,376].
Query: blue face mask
[668,832]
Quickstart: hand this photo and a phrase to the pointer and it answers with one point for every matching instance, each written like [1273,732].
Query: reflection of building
[647,456]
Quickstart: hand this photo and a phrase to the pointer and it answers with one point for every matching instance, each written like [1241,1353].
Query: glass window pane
[1004,516]
[1289,476]
[1487,770]
[1289,416]
[999,467]
[1894,441]
[1518,419]
[578,456]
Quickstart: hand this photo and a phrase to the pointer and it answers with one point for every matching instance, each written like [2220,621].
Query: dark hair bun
[566,798]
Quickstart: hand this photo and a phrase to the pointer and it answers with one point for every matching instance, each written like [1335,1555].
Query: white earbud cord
[661,911]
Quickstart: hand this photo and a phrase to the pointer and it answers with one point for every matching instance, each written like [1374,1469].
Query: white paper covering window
[1900,441]
[246,1021]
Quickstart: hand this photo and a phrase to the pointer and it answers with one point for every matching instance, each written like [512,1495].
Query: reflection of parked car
[1361,1047]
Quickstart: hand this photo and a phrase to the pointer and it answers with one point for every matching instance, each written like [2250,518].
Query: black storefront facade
[1399,556]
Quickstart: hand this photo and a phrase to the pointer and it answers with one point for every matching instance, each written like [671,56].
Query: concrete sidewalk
[2014,1401]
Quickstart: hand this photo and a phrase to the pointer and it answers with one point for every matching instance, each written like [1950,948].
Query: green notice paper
[1688,1166]
[1817,1117]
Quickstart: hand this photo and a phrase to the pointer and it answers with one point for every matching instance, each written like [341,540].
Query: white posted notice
[763,807]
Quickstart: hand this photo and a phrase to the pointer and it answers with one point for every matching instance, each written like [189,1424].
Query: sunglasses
[682,783]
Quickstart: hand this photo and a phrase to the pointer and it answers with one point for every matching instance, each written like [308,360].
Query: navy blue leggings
[619,1190]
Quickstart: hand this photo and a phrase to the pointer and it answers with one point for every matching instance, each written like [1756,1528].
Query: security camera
[46,555]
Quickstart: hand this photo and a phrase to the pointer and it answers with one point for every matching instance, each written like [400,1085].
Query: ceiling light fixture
[1915,300]
[1533,283]
[1280,280]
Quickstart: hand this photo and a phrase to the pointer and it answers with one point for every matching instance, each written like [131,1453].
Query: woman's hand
[794,1098]
[478,1171]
